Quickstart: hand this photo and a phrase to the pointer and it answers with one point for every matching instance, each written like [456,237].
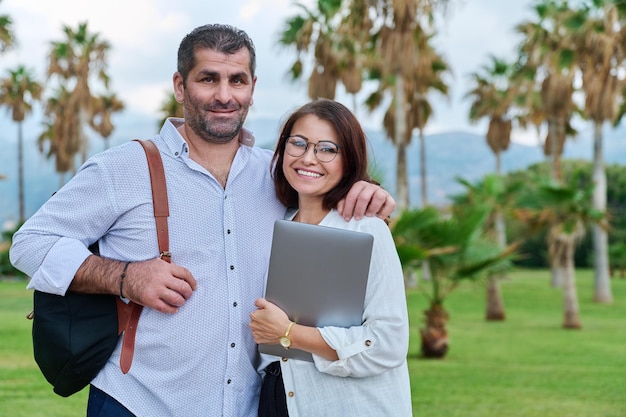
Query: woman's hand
[268,323]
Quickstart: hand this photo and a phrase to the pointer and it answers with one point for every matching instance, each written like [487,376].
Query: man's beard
[216,130]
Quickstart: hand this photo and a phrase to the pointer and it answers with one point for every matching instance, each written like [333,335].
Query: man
[194,354]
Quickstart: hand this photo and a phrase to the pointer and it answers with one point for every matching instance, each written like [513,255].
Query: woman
[358,371]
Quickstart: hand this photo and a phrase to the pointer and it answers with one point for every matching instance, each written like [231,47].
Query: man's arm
[154,283]
[51,247]
[366,199]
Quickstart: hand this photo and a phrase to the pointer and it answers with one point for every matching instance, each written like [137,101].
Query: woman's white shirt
[371,376]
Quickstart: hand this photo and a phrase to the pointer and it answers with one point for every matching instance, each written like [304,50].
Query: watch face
[285,342]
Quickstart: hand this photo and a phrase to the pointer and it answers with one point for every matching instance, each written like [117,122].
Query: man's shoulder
[130,149]
[121,160]
[260,156]
[263,152]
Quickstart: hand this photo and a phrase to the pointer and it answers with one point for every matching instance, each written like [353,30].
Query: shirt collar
[177,145]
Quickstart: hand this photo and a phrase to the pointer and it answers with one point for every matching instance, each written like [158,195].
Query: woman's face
[309,176]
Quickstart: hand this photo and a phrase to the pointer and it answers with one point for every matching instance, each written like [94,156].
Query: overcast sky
[144,35]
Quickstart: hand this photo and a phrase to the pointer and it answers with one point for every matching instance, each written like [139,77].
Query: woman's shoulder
[366,224]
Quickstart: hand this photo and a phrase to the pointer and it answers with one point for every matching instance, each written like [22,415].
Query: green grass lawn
[526,366]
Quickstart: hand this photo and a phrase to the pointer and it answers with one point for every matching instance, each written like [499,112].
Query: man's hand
[366,199]
[153,283]
[159,285]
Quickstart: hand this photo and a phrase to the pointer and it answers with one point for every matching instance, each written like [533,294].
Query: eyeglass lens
[325,151]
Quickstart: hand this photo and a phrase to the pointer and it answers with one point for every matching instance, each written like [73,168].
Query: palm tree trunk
[20,172]
[602,290]
[553,157]
[426,275]
[423,177]
[434,335]
[556,265]
[495,304]
[498,163]
[556,268]
[82,136]
[571,311]
[402,186]
[402,182]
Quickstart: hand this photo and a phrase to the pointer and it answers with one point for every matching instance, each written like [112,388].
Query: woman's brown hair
[353,150]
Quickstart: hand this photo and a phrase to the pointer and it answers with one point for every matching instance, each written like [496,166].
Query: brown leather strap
[128,314]
[159,196]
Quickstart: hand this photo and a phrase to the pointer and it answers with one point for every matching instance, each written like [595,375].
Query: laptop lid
[318,276]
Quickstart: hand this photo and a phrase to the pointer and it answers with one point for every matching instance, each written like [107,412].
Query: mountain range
[448,155]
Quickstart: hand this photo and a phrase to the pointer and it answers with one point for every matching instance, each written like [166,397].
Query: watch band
[285,341]
[289,328]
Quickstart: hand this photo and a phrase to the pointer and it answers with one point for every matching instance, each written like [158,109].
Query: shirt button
[284,359]
[368,343]
[229,381]
[291,393]
[232,345]
[232,267]
[228,231]
[235,304]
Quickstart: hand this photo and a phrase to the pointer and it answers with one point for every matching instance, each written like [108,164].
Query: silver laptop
[318,276]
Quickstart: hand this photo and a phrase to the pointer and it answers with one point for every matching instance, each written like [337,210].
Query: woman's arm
[381,342]
[269,323]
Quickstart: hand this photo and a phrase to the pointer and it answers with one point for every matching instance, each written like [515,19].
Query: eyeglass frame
[306,140]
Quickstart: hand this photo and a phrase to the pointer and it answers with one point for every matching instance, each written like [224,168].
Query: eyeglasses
[324,150]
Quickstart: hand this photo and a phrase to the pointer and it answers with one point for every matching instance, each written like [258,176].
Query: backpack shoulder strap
[159,196]
[128,314]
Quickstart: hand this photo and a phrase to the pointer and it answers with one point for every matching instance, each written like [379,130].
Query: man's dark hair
[221,38]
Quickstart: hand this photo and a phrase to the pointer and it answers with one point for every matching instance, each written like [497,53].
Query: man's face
[217,94]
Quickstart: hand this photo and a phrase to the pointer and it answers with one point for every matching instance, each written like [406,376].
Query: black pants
[273,402]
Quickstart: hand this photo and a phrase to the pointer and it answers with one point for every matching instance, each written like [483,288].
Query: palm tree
[428,76]
[565,211]
[170,108]
[602,56]
[317,29]
[406,69]
[497,194]
[419,111]
[60,138]
[548,58]
[548,53]
[398,55]
[17,93]
[493,95]
[73,62]
[103,107]
[456,249]
[7,38]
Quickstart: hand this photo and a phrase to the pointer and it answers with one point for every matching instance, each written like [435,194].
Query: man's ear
[253,87]
[179,87]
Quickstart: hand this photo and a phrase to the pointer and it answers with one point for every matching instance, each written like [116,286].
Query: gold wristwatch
[285,341]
